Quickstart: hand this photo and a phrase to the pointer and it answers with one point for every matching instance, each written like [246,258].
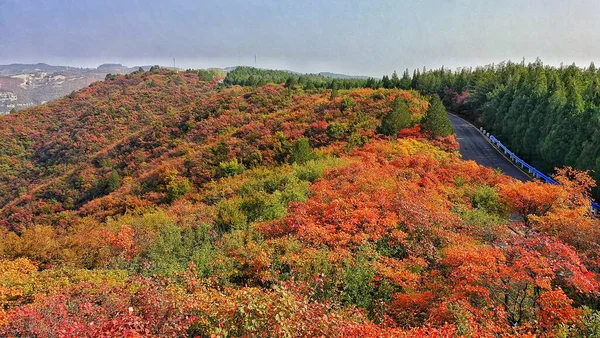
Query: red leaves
[366,200]
[558,210]
[565,263]
[577,183]
[122,242]
[141,309]
[473,269]
[555,309]
[399,194]
[531,198]
[414,132]
[447,143]
[317,133]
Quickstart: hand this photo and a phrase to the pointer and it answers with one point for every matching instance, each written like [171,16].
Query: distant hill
[28,85]
[77,135]
[22,68]
[30,89]
[117,68]
[324,74]
[343,76]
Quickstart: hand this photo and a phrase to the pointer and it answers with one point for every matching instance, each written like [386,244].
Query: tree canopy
[436,119]
[398,118]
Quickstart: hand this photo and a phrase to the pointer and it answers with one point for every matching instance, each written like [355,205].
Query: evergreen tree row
[249,76]
[548,115]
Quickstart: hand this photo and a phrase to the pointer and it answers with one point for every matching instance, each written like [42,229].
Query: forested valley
[181,204]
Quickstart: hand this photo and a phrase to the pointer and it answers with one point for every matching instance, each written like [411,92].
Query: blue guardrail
[533,171]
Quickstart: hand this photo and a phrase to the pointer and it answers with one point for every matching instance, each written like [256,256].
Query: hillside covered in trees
[160,204]
[250,76]
[549,116]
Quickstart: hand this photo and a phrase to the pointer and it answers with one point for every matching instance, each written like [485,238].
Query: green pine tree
[113,182]
[436,120]
[395,81]
[386,82]
[334,89]
[397,119]
[290,82]
[302,152]
[406,81]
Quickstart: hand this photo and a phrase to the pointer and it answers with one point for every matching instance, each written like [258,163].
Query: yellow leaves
[14,279]
[21,282]
[38,243]
[398,236]
[572,222]
[404,147]
[284,311]
[19,266]
[360,92]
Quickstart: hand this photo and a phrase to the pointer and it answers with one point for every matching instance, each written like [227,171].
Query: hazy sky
[347,36]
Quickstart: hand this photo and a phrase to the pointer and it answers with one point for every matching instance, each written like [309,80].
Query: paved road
[474,146]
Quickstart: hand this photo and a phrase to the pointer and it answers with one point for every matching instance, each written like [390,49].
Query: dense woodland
[549,116]
[249,76]
[161,204]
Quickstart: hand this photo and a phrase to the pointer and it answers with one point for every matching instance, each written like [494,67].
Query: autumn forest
[262,204]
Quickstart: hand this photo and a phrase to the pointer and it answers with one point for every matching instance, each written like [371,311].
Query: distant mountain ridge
[21,68]
[25,85]
[324,74]
[343,76]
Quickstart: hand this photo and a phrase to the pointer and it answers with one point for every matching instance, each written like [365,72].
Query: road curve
[474,146]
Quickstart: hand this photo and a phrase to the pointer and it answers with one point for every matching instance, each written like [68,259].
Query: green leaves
[436,120]
[398,118]
[175,248]
[231,168]
[302,152]
[177,187]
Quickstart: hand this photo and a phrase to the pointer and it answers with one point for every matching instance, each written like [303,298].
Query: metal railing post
[595,207]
